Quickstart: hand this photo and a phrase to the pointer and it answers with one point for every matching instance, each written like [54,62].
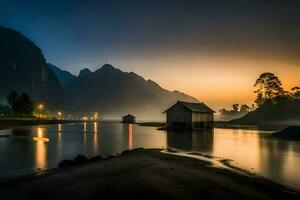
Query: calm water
[30,148]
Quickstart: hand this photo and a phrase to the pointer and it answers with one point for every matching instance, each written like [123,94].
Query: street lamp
[59,115]
[96,116]
[40,108]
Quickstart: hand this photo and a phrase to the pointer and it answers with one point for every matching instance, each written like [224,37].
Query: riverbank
[263,127]
[152,124]
[6,123]
[144,174]
[222,124]
[290,133]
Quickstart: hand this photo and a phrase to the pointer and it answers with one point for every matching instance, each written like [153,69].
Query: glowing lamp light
[41,106]
[96,116]
[40,139]
[85,118]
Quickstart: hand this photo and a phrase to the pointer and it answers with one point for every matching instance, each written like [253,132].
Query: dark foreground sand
[144,174]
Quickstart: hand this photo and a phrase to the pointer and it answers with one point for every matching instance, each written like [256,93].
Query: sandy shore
[144,174]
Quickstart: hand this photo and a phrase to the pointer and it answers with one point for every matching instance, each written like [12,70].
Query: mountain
[65,78]
[84,72]
[114,93]
[23,68]
[108,90]
[282,113]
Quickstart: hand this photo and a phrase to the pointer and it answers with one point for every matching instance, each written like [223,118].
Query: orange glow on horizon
[219,81]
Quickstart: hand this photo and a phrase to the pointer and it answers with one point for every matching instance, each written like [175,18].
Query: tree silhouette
[25,104]
[268,86]
[11,100]
[21,105]
[235,107]
[235,112]
[296,92]
[244,108]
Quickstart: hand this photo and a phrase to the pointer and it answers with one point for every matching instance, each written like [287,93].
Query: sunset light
[150,99]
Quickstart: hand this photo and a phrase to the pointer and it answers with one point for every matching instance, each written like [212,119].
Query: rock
[66,163]
[95,158]
[125,151]
[81,159]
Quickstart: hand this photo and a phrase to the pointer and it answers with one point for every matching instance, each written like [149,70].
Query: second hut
[130,119]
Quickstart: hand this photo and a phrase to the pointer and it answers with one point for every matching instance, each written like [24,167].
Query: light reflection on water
[130,136]
[41,150]
[250,149]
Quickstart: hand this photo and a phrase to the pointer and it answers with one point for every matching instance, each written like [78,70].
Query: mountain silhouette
[114,93]
[84,72]
[108,90]
[65,78]
[23,68]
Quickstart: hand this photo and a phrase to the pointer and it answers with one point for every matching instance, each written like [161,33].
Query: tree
[25,104]
[259,99]
[244,108]
[236,112]
[235,107]
[268,86]
[22,105]
[296,92]
[11,100]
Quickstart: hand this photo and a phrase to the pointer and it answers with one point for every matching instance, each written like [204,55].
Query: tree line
[237,109]
[18,104]
[268,88]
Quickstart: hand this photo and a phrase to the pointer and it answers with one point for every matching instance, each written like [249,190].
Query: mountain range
[114,93]
[108,90]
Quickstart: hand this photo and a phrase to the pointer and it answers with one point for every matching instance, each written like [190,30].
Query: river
[29,149]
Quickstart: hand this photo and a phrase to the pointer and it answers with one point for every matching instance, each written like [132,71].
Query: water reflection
[59,128]
[272,158]
[84,127]
[59,140]
[95,127]
[195,140]
[129,136]
[41,150]
[95,144]
[40,135]
[84,139]
[21,132]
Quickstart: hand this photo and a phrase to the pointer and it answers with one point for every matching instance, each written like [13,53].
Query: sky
[210,49]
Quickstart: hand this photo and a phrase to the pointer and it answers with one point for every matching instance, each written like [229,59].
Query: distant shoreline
[223,124]
[265,127]
[144,174]
[7,123]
